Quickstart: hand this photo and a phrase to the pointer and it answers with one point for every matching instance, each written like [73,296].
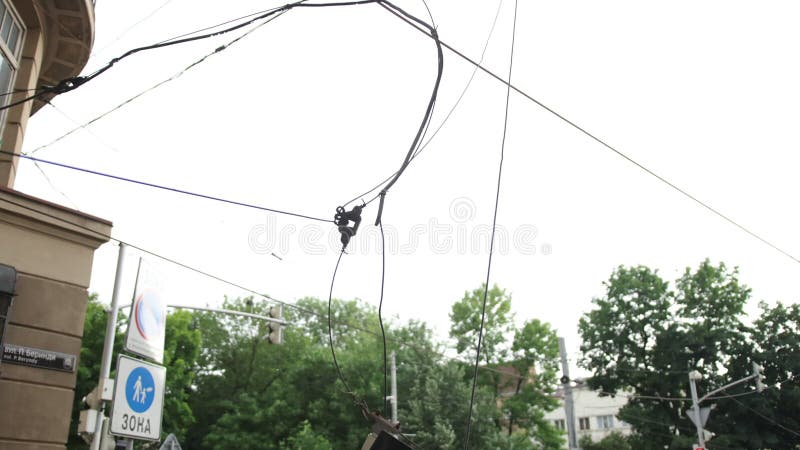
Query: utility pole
[695,376]
[108,348]
[569,407]
[699,415]
[393,397]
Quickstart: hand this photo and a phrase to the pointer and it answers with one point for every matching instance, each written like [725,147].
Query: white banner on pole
[148,316]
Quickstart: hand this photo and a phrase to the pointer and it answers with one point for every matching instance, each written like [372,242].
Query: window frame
[605,422]
[12,56]
[584,423]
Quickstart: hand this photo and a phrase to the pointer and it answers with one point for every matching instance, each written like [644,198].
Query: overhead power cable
[446,117]
[236,285]
[344,218]
[165,188]
[606,145]
[53,186]
[330,328]
[157,85]
[380,317]
[491,240]
[767,418]
[132,26]
[72,83]
[428,111]
[211,27]
[84,126]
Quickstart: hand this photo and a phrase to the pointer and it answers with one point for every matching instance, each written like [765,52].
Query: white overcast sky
[317,106]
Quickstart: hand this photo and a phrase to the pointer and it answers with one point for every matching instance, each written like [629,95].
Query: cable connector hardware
[343,219]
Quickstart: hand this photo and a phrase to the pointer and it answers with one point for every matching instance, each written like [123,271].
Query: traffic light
[275,328]
[759,377]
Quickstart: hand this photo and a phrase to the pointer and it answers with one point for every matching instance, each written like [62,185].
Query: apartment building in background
[595,415]
[46,250]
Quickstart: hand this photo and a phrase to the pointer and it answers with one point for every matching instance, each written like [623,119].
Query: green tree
[465,321]
[773,419]
[88,372]
[181,348]
[306,439]
[614,441]
[644,337]
[182,343]
[252,395]
[535,358]
[532,353]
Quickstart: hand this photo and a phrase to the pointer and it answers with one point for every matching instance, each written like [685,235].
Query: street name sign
[138,399]
[148,318]
[36,357]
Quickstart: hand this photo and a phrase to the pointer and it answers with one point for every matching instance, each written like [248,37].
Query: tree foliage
[644,337]
[530,351]
[227,387]
[614,441]
[181,349]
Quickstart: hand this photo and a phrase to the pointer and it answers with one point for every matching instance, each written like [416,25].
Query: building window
[10,48]
[583,423]
[605,422]
[560,424]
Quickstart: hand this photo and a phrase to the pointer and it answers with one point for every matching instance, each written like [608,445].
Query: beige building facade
[46,250]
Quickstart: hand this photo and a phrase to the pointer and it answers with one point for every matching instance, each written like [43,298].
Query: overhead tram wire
[491,240]
[767,418]
[330,328]
[131,27]
[355,214]
[155,86]
[380,318]
[165,188]
[446,117]
[53,186]
[171,39]
[70,84]
[607,145]
[239,286]
[211,27]
[85,128]
[428,111]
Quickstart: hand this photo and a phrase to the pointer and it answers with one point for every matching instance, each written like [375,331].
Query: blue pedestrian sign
[140,390]
[138,399]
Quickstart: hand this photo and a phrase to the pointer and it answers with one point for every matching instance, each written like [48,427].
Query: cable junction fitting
[343,219]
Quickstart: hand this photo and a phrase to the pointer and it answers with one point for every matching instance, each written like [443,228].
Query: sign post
[138,399]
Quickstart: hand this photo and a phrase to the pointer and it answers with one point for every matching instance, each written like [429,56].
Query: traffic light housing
[275,335]
[759,377]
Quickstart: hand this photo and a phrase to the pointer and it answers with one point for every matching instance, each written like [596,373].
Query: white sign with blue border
[138,399]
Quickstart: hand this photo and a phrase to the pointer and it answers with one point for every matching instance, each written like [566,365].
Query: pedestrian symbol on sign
[140,389]
[138,399]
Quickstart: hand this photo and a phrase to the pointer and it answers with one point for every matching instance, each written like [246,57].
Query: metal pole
[569,407]
[231,312]
[394,388]
[108,347]
[695,375]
